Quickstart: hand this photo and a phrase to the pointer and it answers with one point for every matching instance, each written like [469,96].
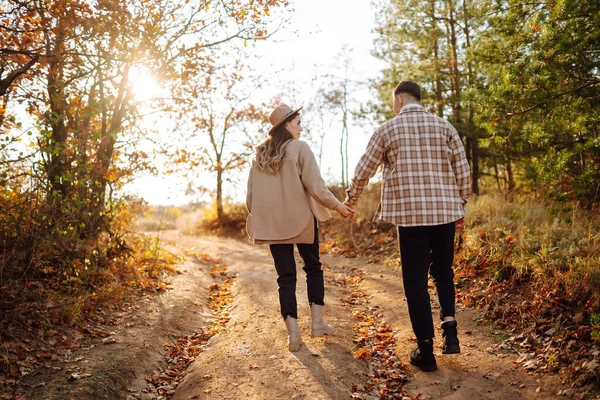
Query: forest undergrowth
[47,307]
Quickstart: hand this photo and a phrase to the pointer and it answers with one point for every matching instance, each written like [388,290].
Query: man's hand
[460,224]
[351,207]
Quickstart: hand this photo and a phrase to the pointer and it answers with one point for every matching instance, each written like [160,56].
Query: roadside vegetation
[532,265]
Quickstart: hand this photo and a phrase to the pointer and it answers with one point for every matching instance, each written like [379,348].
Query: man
[425,185]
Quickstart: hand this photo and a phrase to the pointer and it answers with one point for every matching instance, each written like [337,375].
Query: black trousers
[427,250]
[285,264]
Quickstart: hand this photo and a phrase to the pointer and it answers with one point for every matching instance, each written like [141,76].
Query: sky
[305,48]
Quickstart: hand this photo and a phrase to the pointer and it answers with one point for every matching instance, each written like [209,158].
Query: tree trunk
[475,173]
[470,129]
[497,175]
[436,57]
[345,156]
[343,148]
[57,164]
[104,160]
[220,194]
[455,75]
[438,84]
[509,173]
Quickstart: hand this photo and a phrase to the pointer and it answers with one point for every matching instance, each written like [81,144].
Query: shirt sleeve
[249,191]
[367,166]
[312,180]
[460,164]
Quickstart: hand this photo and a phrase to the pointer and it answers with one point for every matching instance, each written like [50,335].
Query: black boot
[450,344]
[423,357]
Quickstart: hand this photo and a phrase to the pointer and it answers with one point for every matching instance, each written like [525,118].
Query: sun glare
[145,86]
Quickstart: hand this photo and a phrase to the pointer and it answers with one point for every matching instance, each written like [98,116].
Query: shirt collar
[411,107]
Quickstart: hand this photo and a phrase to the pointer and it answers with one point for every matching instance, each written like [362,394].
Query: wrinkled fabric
[426,175]
[282,206]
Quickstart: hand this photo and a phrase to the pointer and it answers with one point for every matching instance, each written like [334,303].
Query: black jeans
[283,256]
[427,250]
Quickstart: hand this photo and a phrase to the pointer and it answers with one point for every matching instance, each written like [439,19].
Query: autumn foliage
[73,135]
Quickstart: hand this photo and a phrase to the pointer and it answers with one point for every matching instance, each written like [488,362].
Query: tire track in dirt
[374,338]
[162,384]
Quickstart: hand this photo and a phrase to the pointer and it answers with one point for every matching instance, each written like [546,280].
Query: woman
[286,196]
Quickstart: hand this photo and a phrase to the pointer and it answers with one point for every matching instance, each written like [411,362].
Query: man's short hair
[408,87]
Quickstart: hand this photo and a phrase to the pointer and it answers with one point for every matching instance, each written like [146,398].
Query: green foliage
[524,73]
[542,97]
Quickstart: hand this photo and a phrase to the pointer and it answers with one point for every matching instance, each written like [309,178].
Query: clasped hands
[346,210]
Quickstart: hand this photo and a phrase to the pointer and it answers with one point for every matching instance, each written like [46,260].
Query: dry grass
[232,223]
[539,240]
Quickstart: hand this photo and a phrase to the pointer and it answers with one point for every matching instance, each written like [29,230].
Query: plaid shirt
[426,176]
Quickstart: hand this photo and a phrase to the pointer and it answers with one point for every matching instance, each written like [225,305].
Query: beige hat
[280,114]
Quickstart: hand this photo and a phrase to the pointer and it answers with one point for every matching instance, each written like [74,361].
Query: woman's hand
[345,210]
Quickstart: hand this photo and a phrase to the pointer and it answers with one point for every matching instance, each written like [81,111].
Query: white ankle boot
[293,331]
[319,326]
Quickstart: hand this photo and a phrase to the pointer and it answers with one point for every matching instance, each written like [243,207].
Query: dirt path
[249,359]
[485,369]
[125,343]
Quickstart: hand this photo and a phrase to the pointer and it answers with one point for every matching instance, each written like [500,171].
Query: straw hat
[279,115]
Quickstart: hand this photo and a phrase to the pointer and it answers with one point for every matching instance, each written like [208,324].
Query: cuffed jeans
[427,250]
[285,264]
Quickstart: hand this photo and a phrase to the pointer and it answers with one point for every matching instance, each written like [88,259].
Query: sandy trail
[484,369]
[249,360]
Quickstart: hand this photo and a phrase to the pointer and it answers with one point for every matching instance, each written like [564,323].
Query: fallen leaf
[592,365]
[77,376]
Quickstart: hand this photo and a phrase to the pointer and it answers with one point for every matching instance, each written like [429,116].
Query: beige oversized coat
[282,207]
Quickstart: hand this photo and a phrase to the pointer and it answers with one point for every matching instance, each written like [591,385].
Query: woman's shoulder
[297,149]
[298,146]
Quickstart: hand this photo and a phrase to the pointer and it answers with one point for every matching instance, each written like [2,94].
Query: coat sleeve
[312,180]
[249,191]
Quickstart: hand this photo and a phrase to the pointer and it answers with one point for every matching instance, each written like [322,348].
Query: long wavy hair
[270,154]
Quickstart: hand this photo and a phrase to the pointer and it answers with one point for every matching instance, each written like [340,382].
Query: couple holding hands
[425,186]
